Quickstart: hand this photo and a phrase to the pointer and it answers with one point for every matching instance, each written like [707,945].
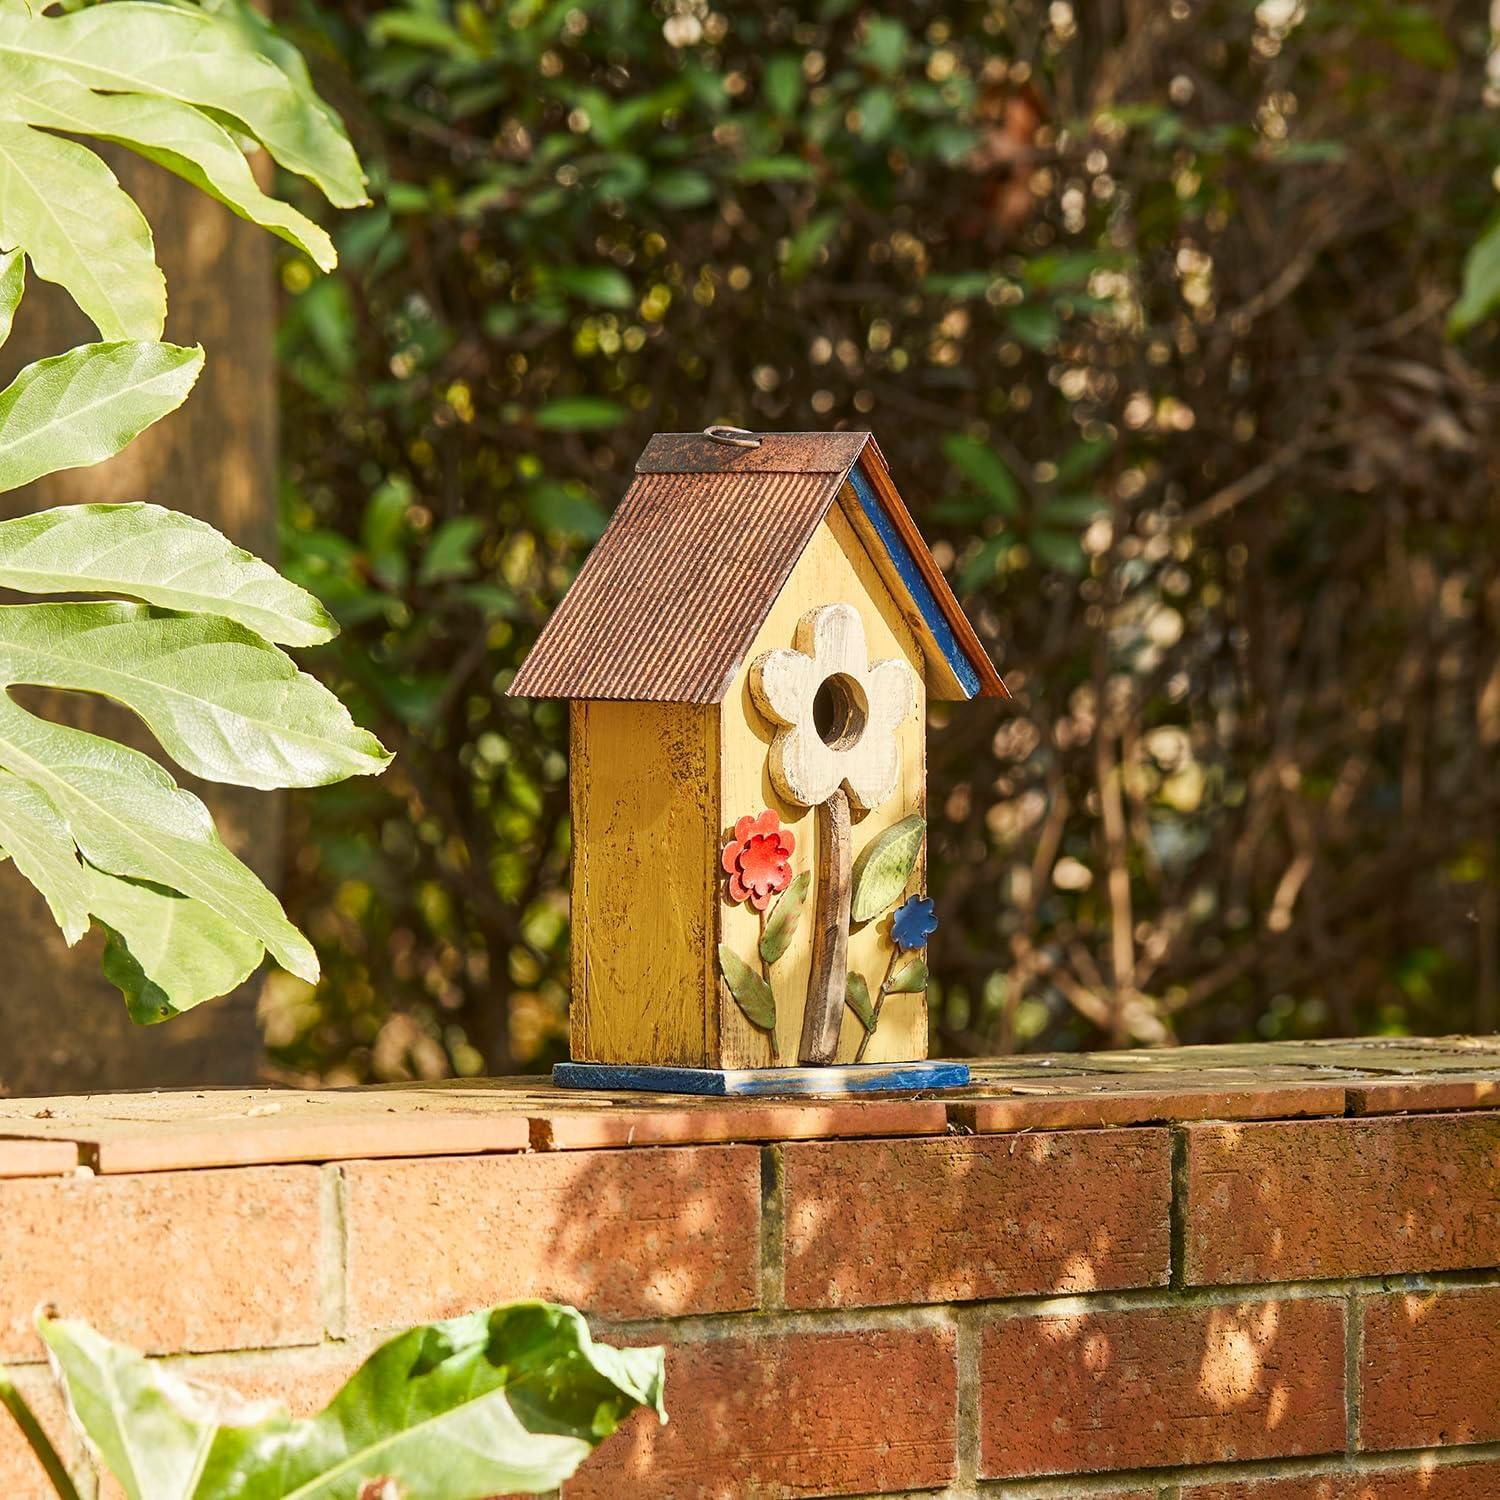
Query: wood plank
[645,883]
[834,567]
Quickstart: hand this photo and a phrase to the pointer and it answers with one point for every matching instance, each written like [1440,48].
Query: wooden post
[64,1026]
[830,955]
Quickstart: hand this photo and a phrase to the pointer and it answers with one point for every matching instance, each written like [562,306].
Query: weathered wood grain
[645,884]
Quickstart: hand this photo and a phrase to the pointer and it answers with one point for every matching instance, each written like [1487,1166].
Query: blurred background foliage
[1153,307]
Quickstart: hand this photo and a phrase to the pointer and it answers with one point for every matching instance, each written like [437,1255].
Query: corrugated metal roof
[674,592]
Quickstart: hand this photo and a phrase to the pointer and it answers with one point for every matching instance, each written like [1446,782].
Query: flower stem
[864,1041]
[828,982]
[765,973]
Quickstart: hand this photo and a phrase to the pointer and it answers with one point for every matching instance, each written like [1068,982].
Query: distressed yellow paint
[834,567]
[645,856]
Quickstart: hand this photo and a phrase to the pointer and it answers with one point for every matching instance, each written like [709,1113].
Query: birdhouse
[749,652]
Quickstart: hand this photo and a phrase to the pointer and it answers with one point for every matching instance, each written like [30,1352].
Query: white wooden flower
[838,713]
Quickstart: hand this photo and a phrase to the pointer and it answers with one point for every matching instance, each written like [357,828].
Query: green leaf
[164,952]
[84,406]
[450,553]
[910,978]
[982,466]
[1481,285]
[884,45]
[604,286]
[225,704]
[781,83]
[579,414]
[198,57]
[509,1400]
[784,917]
[1033,324]
[682,189]
[882,870]
[857,998]
[176,136]
[79,227]
[751,993]
[35,836]
[1059,550]
[12,284]
[129,818]
[161,557]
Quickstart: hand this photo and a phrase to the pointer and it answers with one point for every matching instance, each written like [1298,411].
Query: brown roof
[674,592]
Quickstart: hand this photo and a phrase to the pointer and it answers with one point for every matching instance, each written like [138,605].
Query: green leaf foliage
[129,818]
[174,135]
[910,978]
[857,998]
[160,557]
[84,406]
[781,924]
[165,953]
[64,208]
[225,704]
[510,1400]
[200,57]
[1480,295]
[884,867]
[173,83]
[12,284]
[751,993]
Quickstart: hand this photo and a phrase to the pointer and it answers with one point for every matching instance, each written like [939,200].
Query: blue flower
[914,923]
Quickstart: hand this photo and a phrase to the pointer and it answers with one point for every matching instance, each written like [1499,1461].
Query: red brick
[1094,1101]
[790,1414]
[1434,1091]
[613,1123]
[1322,1198]
[1429,1369]
[23,1158]
[1076,1392]
[173,1261]
[889,1222]
[622,1234]
[21,1476]
[1423,1481]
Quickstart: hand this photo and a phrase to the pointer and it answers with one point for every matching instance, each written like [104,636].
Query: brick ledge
[173,1130]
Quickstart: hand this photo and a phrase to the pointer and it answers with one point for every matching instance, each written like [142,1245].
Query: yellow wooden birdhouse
[749,651]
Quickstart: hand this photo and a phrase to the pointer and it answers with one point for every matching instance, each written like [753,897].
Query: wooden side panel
[645,860]
[834,567]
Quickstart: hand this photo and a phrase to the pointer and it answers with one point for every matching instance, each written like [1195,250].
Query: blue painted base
[856,1078]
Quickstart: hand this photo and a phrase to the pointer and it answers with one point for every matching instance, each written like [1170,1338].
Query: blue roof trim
[911,578]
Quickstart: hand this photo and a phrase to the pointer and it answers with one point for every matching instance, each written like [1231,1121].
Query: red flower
[758,859]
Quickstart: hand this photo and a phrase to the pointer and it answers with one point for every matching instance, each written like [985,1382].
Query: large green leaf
[84,406]
[881,872]
[162,557]
[225,704]
[164,952]
[200,58]
[35,836]
[502,1401]
[79,227]
[172,134]
[129,818]
[12,284]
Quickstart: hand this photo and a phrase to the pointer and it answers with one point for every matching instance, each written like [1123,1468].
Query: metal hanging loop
[732,437]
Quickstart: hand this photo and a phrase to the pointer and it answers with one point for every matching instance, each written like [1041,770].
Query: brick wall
[1218,1274]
